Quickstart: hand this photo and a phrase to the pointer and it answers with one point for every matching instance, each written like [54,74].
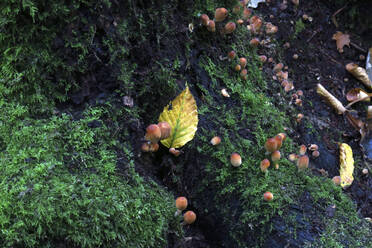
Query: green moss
[299,27]
[59,183]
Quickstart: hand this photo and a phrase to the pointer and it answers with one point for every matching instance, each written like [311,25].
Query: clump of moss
[59,185]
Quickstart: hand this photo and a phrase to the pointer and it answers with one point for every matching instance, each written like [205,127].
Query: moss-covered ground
[69,147]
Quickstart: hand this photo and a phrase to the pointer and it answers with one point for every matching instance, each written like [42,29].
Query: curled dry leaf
[333,101]
[357,94]
[341,40]
[360,74]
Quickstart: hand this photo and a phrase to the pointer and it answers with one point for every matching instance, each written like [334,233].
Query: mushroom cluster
[220,15]
[181,204]
[302,160]
[272,147]
[155,133]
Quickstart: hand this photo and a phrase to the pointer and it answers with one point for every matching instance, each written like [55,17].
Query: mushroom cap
[243,62]
[254,42]
[268,196]
[271,145]
[189,217]
[174,151]
[275,156]
[204,19]
[279,141]
[211,26]
[145,147]
[215,140]
[243,72]
[181,203]
[230,27]
[283,135]
[238,67]
[336,180]
[303,162]
[293,157]
[302,150]
[263,58]
[235,159]
[265,164]
[153,133]
[165,129]
[315,154]
[220,14]
[231,54]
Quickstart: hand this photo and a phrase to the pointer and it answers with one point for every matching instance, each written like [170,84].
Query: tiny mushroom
[293,157]
[229,28]
[299,117]
[336,180]
[220,14]
[181,204]
[365,171]
[268,196]
[254,42]
[238,67]
[279,141]
[174,151]
[275,157]
[211,26]
[231,54]
[188,218]
[271,145]
[153,133]
[263,58]
[283,135]
[204,19]
[315,153]
[264,165]
[235,159]
[243,62]
[215,140]
[303,162]
[302,150]
[165,129]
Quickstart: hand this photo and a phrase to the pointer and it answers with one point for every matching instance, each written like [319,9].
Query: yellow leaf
[182,116]
[346,165]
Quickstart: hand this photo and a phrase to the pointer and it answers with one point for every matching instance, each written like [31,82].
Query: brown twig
[330,57]
[312,36]
[357,47]
[334,15]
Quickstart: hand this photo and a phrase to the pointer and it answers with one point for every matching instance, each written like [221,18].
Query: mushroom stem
[178,212]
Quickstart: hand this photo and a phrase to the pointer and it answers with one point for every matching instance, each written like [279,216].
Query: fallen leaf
[357,94]
[360,74]
[346,165]
[182,116]
[341,40]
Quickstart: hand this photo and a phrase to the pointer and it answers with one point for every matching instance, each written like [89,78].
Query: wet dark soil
[320,62]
